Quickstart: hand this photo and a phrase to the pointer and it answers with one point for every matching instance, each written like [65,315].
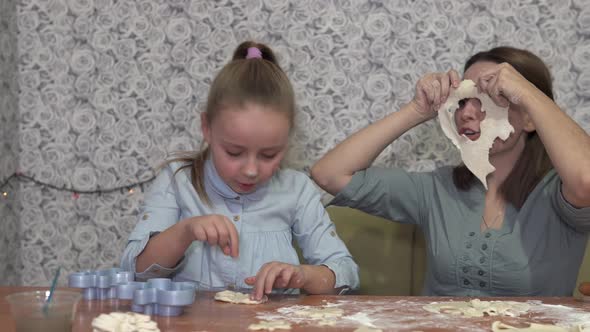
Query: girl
[226,216]
[526,234]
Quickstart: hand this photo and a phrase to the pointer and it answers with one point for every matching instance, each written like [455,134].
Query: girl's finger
[270,279]
[234,243]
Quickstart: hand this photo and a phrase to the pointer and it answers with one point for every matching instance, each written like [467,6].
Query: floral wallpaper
[9,242]
[108,88]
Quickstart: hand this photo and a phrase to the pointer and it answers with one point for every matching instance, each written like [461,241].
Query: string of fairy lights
[18,176]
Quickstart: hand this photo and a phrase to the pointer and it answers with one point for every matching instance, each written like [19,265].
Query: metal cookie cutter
[100,284]
[159,296]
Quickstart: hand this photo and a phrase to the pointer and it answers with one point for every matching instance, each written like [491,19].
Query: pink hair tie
[254,53]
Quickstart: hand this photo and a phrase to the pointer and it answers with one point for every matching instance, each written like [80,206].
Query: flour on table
[500,327]
[237,297]
[477,308]
[362,318]
[319,312]
[124,322]
[270,325]
[325,316]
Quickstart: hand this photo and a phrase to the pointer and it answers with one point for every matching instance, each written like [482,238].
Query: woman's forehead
[476,69]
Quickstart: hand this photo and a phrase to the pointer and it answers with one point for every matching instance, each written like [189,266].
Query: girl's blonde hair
[245,79]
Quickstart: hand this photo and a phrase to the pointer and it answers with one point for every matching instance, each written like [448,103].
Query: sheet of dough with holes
[475,154]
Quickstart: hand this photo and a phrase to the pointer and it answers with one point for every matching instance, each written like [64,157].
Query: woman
[525,235]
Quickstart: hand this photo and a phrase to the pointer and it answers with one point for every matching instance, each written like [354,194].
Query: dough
[270,325]
[367,329]
[320,312]
[124,322]
[475,154]
[499,327]
[237,297]
[477,308]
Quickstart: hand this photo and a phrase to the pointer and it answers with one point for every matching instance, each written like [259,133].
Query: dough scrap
[124,322]
[324,313]
[270,325]
[367,329]
[477,308]
[499,327]
[237,297]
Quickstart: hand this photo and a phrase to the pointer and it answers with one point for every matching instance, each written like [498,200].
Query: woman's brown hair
[533,162]
[258,80]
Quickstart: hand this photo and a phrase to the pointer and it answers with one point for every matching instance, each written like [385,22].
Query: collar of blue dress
[222,189]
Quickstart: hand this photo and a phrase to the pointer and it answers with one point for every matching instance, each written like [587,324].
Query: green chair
[584,273]
[392,256]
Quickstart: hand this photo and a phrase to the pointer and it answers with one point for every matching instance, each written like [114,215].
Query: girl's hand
[504,84]
[217,230]
[276,275]
[432,91]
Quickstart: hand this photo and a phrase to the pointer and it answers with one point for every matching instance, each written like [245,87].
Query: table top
[389,313]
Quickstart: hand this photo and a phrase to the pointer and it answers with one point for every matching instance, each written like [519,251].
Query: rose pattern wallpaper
[94,94]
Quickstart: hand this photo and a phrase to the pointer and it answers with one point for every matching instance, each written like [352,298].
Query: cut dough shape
[124,322]
[270,325]
[500,327]
[475,154]
[477,308]
[237,297]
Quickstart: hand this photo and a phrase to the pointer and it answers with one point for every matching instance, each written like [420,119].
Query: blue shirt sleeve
[316,235]
[577,218]
[158,212]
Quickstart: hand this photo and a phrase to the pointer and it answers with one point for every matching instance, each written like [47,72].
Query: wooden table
[386,312]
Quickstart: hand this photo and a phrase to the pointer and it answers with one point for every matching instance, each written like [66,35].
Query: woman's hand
[215,229]
[432,91]
[276,275]
[584,288]
[504,84]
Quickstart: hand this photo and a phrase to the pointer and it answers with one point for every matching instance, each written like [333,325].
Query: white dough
[270,325]
[477,308]
[475,154]
[320,312]
[367,329]
[124,322]
[237,297]
[500,327]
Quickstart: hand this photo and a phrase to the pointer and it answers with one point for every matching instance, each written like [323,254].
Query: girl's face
[469,115]
[247,144]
